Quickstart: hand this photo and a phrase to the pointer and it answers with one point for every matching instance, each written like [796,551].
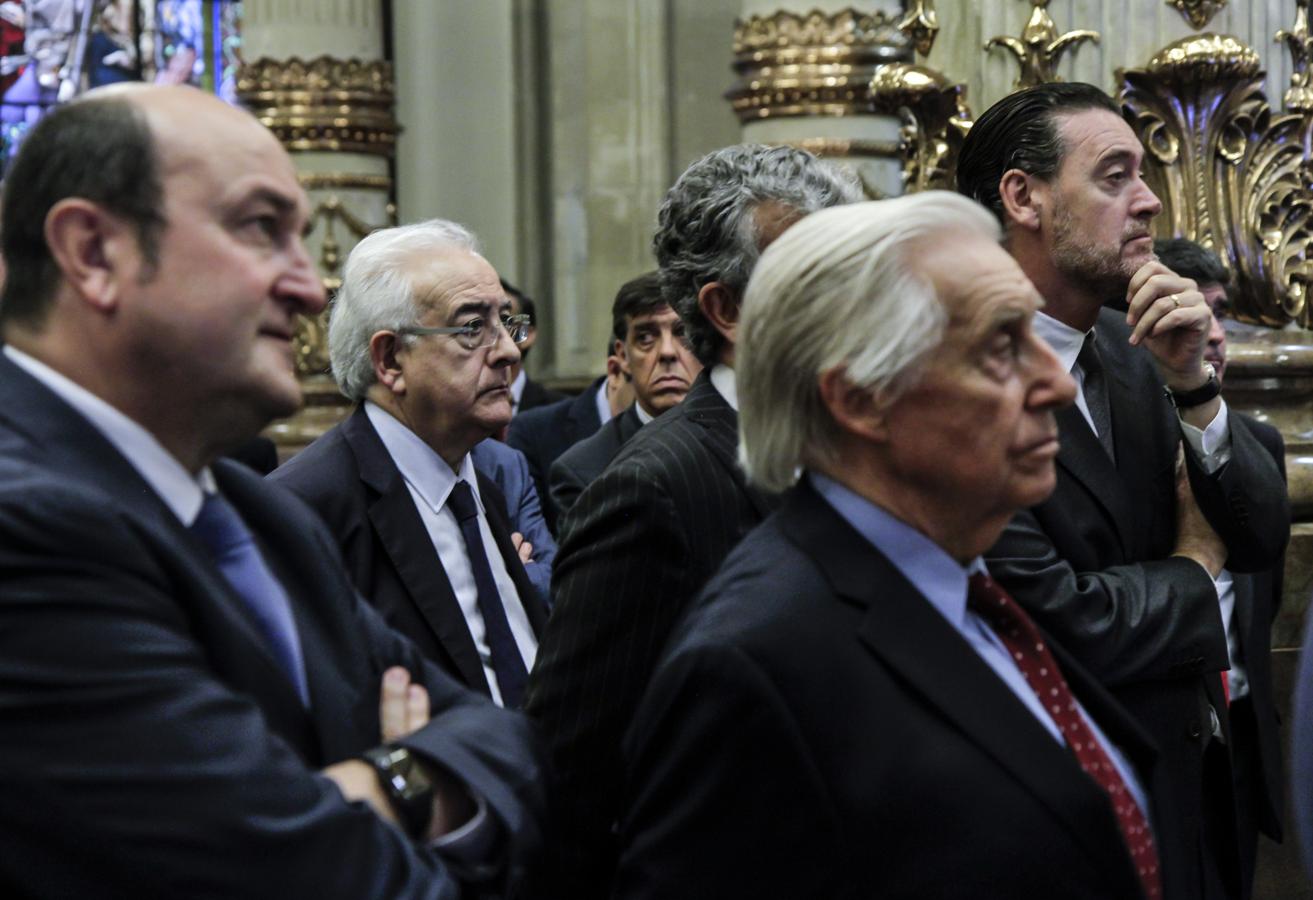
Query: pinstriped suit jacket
[636,548]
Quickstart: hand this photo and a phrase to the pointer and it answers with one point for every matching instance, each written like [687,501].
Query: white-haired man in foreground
[853,708]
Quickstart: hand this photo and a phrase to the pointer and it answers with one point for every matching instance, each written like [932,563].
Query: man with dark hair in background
[654,358]
[1118,565]
[1249,603]
[645,536]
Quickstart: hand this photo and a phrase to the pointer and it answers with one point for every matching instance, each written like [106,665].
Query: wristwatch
[404,781]
[1200,395]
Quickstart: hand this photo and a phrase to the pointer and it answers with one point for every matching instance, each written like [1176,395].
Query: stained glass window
[53,50]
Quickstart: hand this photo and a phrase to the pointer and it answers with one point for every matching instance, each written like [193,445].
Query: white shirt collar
[179,490]
[643,415]
[427,473]
[722,379]
[603,404]
[1065,340]
[517,389]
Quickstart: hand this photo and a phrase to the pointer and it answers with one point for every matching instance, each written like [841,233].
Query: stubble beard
[1102,271]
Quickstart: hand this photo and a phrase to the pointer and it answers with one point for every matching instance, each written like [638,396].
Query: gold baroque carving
[811,65]
[1300,95]
[921,25]
[935,120]
[324,103]
[1040,47]
[850,148]
[1232,174]
[310,343]
[1198,12]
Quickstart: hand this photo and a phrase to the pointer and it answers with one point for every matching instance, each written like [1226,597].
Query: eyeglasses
[480,331]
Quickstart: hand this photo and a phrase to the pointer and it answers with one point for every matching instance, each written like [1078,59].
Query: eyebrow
[482,307]
[1119,155]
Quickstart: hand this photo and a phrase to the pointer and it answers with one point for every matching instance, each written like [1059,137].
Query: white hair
[377,295]
[838,288]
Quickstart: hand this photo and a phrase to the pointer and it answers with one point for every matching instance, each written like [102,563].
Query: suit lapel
[1082,456]
[902,629]
[232,639]
[404,538]
[707,409]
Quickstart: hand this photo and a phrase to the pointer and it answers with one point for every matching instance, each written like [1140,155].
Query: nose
[301,285]
[1146,204]
[1051,385]
[1216,333]
[669,347]
[503,351]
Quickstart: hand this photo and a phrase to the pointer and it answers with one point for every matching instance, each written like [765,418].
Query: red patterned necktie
[1018,633]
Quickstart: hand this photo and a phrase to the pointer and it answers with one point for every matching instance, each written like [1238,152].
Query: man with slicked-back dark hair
[1119,564]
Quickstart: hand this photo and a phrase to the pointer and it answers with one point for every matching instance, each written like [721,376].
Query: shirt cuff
[1212,445]
[473,842]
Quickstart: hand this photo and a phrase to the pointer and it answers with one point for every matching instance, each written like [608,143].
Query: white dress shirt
[603,403]
[430,480]
[723,380]
[517,390]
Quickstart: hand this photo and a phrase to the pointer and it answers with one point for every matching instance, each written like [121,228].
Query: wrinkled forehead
[1095,137]
[445,280]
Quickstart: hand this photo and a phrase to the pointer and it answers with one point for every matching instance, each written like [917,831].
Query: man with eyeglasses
[422,339]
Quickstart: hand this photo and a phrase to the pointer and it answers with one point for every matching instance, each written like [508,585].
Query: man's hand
[404,708]
[1169,315]
[1195,538]
[522,547]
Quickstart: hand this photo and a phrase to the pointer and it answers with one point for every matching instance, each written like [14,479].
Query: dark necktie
[229,541]
[507,664]
[1095,389]
[1023,640]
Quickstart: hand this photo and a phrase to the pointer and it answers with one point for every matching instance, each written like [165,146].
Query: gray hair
[707,229]
[377,295]
[840,288]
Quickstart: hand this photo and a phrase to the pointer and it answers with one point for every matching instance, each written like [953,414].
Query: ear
[854,409]
[1024,197]
[621,357]
[93,250]
[721,307]
[383,353]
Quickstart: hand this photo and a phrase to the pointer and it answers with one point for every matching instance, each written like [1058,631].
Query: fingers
[1161,301]
[522,547]
[403,707]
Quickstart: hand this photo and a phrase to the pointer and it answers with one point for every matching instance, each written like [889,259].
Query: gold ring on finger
[1176,301]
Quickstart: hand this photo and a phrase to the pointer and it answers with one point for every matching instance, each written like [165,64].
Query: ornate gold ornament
[1232,174]
[1300,95]
[816,64]
[1040,47]
[935,120]
[1198,12]
[310,344]
[318,181]
[921,25]
[323,104]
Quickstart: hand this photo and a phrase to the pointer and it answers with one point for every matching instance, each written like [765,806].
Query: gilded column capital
[1198,12]
[813,64]
[1232,173]
[323,103]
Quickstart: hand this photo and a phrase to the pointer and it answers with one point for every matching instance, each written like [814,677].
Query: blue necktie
[225,535]
[507,664]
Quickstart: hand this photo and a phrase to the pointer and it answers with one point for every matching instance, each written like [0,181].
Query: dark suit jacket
[536,395]
[576,468]
[150,735]
[347,476]
[817,729]
[1256,743]
[545,433]
[637,546]
[1093,565]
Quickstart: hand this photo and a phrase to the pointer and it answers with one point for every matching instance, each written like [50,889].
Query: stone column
[313,72]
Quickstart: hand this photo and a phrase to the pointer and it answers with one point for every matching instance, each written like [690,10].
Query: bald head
[112,147]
